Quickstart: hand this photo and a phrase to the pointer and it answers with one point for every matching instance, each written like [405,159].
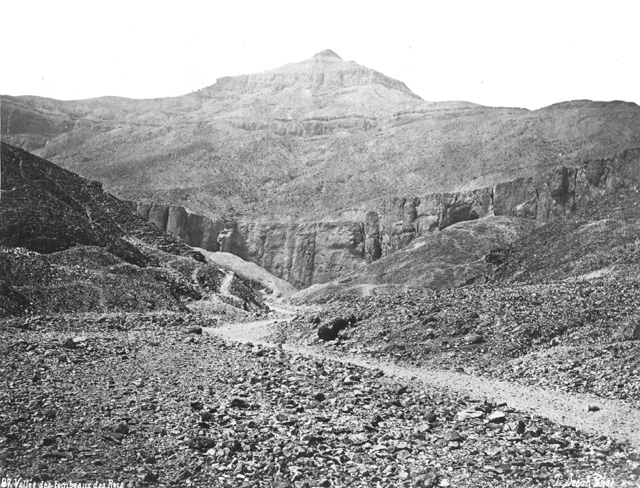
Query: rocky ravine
[317,252]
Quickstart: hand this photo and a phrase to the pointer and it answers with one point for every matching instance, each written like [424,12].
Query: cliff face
[309,253]
[301,253]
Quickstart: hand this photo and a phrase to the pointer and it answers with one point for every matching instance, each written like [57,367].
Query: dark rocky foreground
[147,400]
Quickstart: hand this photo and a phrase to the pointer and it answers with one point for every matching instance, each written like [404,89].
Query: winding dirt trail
[226,283]
[615,419]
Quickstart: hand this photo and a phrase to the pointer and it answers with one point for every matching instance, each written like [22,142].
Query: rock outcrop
[309,253]
[300,253]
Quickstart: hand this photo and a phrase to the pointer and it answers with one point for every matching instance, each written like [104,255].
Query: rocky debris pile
[151,403]
[575,336]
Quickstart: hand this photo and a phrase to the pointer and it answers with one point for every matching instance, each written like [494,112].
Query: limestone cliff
[317,252]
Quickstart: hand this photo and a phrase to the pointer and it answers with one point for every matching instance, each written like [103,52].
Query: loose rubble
[135,403]
[572,336]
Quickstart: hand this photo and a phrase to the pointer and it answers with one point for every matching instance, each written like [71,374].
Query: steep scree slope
[66,245]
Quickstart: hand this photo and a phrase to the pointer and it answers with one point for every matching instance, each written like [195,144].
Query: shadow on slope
[448,258]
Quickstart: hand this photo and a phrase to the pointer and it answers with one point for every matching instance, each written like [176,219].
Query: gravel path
[226,284]
[615,419]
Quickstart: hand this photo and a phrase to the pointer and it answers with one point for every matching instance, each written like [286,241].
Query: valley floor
[151,400]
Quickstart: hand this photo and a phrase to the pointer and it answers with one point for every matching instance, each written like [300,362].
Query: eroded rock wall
[309,253]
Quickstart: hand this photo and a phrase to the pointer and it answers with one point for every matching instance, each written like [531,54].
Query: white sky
[499,53]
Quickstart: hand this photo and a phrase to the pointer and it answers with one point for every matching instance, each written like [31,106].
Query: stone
[428,479]
[452,436]
[475,339]
[239,403]
[122,428]
[151,477]
[497,417]
[470,413]
[330,330]
[630,330]
[201,443]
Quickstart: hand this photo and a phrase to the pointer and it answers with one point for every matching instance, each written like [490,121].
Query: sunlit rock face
[309,253]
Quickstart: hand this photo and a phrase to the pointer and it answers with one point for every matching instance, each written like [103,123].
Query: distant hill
[67,246]
[313,140]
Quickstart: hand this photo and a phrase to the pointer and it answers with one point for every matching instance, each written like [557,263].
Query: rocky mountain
[307,141]
[68,246]
[316,168]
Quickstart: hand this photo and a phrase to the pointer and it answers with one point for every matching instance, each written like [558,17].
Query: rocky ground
[572,336]
[148,400]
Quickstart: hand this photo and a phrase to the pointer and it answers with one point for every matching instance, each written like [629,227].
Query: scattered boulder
[122,428]
[470,413]
[630,330]
[428,479]
[497,417]
[475,339]
[239,403]
[201,443]
[49,441]
[75,342]
[452,436]
[330,330]
[429,320]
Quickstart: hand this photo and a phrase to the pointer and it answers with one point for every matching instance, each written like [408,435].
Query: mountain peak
[327,54]
[325,72]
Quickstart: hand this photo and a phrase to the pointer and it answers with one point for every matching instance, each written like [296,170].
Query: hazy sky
[500,53]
